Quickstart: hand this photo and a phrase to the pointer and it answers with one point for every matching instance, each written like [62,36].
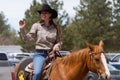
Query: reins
[50,60]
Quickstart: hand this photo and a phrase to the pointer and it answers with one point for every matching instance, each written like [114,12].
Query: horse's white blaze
[105,64]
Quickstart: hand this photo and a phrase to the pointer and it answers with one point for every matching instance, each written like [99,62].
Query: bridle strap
[91,59]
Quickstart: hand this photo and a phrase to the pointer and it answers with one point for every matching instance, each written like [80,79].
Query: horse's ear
[101,43]
[89,45]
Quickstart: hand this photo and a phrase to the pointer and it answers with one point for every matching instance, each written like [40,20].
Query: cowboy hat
[46,7]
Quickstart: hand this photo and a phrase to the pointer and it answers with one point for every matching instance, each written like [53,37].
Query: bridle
[92,60]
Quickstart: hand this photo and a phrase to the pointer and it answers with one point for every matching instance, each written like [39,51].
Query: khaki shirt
[45,37]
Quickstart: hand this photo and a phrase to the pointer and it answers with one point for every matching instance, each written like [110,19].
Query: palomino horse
[76,65]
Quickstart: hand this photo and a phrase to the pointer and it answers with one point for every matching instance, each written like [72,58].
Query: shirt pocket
[41,36]
[51,37]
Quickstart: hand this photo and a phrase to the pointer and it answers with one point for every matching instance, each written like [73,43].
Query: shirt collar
[50,27]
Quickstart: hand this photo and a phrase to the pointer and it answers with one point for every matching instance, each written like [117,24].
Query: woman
[47,36]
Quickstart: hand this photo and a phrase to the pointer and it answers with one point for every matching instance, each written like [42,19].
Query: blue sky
[14,9]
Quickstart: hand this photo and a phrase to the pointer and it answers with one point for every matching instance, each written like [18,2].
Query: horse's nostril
[108,77]
[104,77]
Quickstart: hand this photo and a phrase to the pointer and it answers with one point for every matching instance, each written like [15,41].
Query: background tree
[7,35]
[92,22]
[116,26]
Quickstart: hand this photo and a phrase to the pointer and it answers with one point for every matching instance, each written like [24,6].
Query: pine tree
[7,35]
[4,27]
[92,22]
[116,26]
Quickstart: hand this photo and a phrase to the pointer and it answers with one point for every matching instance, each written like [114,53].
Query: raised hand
[22,24]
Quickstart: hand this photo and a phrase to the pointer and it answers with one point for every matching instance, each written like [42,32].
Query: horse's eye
[97,60]
[102,52]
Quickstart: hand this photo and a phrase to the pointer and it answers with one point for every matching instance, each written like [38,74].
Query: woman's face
[45,15]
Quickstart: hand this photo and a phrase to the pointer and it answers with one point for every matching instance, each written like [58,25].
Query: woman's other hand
[56,47]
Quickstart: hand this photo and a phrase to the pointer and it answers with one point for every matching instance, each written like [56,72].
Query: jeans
[38,61]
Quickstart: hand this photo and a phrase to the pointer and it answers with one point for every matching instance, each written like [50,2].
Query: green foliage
[93,19]
[4,27]
[116,27]
[7,35]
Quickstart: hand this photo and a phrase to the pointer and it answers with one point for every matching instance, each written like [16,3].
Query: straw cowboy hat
[46,7]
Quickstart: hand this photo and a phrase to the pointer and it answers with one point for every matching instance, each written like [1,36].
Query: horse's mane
[73,57]
[69,59]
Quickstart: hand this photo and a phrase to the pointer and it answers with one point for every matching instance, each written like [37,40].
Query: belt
[41,51]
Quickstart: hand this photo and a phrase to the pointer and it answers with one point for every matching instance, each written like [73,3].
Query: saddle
[47,66]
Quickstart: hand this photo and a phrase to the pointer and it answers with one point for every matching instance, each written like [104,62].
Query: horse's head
[97,60]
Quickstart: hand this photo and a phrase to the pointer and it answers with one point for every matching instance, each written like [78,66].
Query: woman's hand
[56,47]
[22,24]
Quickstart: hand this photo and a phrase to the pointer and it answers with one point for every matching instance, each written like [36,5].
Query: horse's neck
[78,57]
[76,63]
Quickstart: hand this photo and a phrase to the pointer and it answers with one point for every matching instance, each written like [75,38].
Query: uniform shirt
[45,37]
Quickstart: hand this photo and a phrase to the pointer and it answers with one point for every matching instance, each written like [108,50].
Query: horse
[77,64]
